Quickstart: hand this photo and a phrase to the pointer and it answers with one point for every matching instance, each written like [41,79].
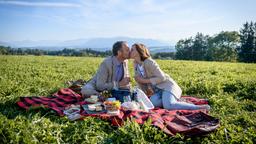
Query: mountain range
[100,44]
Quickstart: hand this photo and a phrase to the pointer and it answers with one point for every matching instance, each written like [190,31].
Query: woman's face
[134,53]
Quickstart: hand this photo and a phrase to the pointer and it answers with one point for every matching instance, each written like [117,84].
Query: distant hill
[99,44]
[4,43]
[162,49]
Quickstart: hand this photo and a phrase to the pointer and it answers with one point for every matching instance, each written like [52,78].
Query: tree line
[224,46]
[72,52]
[65,52]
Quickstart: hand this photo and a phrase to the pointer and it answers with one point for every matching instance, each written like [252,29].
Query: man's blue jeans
[167,100]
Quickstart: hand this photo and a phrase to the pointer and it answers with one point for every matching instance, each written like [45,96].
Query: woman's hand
[141,80]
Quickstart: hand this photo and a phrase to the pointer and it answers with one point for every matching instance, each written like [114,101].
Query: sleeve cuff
[153,82]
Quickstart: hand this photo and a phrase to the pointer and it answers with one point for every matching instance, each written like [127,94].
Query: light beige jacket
[105,76]
[158,78]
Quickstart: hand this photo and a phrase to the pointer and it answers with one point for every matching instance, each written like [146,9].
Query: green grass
[230,87]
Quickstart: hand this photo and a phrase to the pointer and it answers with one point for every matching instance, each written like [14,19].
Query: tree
[192,48]
[223,46]
[164,55]
[199,48]
[184,49]
[4,50]
[247,51]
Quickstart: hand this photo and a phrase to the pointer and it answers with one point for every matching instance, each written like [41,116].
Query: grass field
[230,87]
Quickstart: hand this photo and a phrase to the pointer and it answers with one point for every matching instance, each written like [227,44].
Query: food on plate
[99,108]
[92,99]
[91,107]
[112,105]
[95,107]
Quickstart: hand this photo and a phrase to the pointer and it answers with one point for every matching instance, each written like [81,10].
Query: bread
[98,108]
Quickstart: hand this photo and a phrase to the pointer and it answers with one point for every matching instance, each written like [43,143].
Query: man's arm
[125,82]
[102,78]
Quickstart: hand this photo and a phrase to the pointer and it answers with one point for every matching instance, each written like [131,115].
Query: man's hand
[125,81]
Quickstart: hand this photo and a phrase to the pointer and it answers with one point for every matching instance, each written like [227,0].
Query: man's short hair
[117,46]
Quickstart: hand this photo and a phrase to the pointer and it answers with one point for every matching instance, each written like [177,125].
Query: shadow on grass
[11,110]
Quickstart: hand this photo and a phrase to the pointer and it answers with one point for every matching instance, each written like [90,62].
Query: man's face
[125,51]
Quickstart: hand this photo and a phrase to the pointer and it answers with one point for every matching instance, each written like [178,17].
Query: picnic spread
[136,106]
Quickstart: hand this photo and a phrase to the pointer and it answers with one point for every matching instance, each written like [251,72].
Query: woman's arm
[142,80]
[138,78]
[158,75]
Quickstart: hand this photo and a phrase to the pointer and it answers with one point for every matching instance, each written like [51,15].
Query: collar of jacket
[116,61]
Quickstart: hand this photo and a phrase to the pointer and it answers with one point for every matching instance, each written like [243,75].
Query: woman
[153,81]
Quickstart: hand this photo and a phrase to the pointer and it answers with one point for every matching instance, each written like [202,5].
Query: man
[112,73]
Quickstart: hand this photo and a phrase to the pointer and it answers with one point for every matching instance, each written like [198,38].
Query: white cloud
[159,19]
[40,4]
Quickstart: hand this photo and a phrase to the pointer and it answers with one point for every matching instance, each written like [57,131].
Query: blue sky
[168,20]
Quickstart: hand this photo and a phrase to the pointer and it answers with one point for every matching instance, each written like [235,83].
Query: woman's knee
[156,100]
[169,100]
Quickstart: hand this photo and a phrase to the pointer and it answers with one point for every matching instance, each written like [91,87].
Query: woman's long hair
[142,50]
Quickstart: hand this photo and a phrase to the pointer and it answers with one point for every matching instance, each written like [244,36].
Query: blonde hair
[142,50]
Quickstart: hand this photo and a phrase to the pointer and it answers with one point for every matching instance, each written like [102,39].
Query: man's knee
[88,90]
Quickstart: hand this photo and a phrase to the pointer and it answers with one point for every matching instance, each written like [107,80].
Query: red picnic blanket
[187,122]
